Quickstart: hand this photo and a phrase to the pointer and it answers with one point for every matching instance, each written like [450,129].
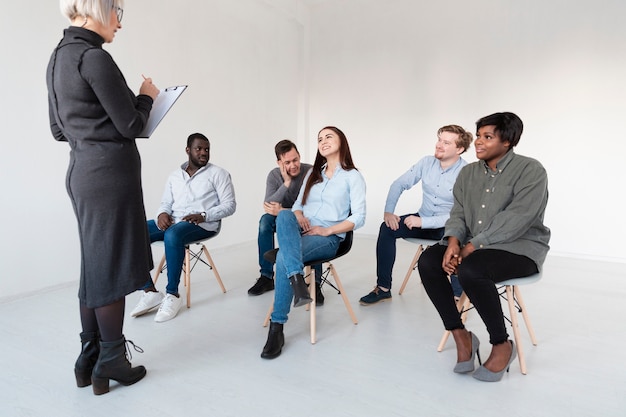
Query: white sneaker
[169,308]
[149,301]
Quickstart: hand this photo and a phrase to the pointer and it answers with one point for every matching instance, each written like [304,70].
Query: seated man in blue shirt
[437,174]
[196,197]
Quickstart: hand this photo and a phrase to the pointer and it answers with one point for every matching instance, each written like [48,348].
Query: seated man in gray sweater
[282,188]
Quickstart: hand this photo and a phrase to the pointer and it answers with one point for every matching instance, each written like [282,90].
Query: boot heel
[83,378]
[100,385]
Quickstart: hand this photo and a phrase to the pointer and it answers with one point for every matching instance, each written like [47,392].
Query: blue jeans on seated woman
[175,238]
[295,250]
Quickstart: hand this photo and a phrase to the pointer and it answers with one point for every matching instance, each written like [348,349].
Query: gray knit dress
[92,108]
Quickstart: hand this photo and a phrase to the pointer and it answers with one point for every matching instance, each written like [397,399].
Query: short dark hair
[508,125]
[195,136]
[283,147]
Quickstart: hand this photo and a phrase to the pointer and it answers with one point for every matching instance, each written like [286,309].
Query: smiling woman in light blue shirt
[331,203]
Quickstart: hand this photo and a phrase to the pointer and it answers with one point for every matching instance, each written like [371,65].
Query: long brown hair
[345,159]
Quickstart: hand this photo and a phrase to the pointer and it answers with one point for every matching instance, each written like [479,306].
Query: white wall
[243,63]
[388,72]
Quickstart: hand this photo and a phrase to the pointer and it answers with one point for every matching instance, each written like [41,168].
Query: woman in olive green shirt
[495,232]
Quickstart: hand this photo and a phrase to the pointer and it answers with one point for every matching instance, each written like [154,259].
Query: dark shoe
[319,295]
[376,296]
[300,290]
[263,284]
[113,364]
[275,342]
[87,358]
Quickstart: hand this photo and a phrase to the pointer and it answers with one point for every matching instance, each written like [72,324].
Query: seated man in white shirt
[196,197]
[438,174]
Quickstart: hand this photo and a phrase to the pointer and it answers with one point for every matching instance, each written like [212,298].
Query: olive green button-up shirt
[502,209]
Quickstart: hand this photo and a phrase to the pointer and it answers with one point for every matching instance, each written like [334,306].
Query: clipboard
[163,103]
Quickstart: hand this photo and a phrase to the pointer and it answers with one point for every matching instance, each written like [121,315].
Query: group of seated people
[487,217]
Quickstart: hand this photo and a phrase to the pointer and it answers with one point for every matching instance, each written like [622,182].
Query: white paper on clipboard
[163,103]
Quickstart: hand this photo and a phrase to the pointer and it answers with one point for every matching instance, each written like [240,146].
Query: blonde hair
[99,10]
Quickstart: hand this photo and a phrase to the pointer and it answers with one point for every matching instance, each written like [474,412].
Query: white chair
[344,248]
[422,245]
[509,291]
[191,259]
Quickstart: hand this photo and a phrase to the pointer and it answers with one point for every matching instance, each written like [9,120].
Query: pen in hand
[148,88]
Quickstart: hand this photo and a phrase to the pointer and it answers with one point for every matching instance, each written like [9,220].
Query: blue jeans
[386,247]
[295,250]
[175,238]
[265,240]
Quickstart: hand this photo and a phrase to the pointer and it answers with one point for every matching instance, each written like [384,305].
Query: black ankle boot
[275,342]
[300,290]
[113,364]
[87,358]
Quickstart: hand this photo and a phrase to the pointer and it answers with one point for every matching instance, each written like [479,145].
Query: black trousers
[478,274]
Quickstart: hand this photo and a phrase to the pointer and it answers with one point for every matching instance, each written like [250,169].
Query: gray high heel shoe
[468,366]
[484,374]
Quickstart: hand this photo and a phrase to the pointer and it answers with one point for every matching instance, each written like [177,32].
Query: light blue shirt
[437,186]
[335,199]
[210,190]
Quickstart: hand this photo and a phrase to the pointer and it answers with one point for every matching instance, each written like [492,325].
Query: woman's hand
[302,221]
[318,231]
[451,258]
[149,89]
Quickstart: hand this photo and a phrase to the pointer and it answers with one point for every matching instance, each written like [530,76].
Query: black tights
[477,275]
[108,320]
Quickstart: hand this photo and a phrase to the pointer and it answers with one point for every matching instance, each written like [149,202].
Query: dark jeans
[175,238]
[386,247]
[477,274]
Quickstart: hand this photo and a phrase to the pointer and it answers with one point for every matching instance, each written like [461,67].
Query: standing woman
[331,203]
[92,108]
[495,232]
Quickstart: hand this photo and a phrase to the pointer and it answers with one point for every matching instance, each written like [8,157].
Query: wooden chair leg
[510,290]
[520,302]
[159,269]
[217,274]
[312,304]
[463,305]
[412,267]
[268,315]
[333,271]
[187,281]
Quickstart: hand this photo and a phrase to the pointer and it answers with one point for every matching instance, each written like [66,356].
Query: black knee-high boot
[113,364]
[300,290]
[275,342]
[87,358]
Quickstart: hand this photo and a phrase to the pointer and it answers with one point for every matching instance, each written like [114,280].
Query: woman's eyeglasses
[119,12]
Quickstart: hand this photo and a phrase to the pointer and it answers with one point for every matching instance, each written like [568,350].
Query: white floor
[206,361]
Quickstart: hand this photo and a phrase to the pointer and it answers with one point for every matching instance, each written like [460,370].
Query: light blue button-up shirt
[335,199]
[437,185]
